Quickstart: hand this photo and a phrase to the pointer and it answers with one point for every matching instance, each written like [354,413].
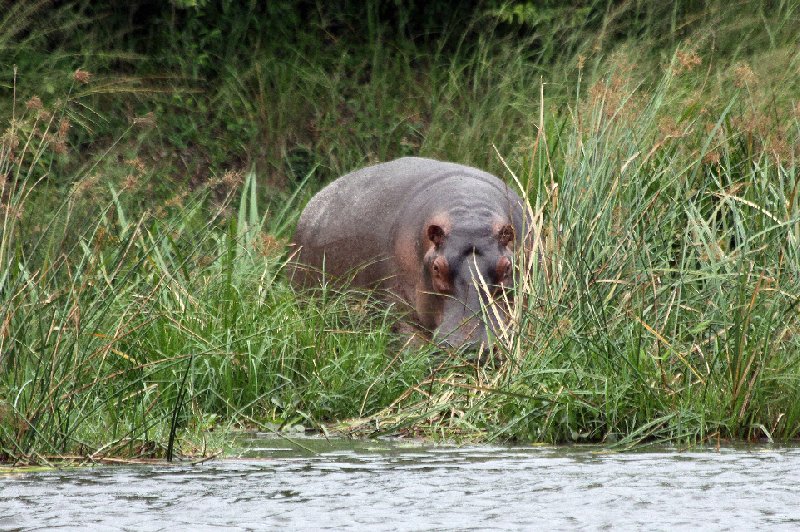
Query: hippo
[422,230]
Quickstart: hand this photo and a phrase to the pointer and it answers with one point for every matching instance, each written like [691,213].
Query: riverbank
[146,208]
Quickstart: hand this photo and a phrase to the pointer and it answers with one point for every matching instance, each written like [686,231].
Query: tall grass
[124,332]
[143,310]
[665,308]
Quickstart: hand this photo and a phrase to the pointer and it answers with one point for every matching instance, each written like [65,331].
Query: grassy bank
[147,198]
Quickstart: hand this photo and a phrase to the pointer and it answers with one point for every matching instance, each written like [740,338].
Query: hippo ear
[436,235]
[506,234]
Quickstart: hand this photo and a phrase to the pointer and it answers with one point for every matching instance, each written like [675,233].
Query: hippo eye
[440,275]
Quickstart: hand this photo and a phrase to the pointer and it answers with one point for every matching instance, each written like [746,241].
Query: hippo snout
[462,342]
[462,328]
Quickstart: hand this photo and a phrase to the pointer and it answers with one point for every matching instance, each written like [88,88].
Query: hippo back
[350,226]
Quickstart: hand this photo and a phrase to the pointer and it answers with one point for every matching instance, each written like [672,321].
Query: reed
[663,308]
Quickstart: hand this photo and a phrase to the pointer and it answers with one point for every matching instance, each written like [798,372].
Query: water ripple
[390,486]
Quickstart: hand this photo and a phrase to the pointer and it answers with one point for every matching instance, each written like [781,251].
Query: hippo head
[464,261]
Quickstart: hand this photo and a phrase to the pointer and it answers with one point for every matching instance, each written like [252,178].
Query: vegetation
[154,160]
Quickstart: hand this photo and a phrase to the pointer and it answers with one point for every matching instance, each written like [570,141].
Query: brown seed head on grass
[59,147]
[9,139]
[63,128]
[81,76]
[613,97]
[177,200]
[668,128]
[148,120]
[226,184]
[130,182]
[780,148]
[743,75]
[268,245]
[563,328]
[34,103]
[712,157]
[137,165]
[687,61]
[754,122]
[581,61]
[232,179]
[101,236]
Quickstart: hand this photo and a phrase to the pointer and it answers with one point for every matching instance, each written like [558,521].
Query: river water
[277,485]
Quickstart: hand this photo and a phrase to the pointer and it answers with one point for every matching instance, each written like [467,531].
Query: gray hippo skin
[416,228]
